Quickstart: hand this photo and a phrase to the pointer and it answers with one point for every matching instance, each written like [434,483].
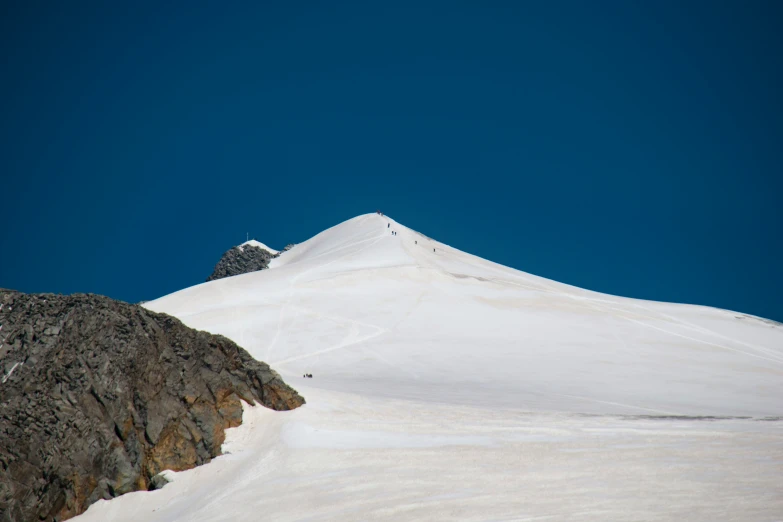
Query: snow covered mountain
[450,387]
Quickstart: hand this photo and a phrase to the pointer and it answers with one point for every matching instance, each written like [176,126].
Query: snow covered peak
[258,244]
[370,304]
[448,386]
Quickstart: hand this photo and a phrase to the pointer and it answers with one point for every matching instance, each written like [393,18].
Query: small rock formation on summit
[98,396]
[241,260]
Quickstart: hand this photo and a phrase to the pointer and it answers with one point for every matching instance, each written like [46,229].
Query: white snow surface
[258,244]
[448,387]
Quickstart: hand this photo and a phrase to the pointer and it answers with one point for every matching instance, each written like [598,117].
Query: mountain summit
[446,386]
[387,303]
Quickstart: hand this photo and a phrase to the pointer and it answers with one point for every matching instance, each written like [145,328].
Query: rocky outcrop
[241,260]
[98,396]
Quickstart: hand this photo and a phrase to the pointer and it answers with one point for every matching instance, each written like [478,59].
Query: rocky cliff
[241,260]
[98,396]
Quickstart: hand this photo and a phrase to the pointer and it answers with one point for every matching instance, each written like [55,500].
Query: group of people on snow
[388,225]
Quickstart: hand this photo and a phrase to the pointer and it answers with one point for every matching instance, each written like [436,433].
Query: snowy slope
[447,386]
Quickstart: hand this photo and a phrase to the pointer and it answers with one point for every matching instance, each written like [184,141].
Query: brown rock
[99,396]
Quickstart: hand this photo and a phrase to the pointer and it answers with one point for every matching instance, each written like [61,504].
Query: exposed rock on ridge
[241,260]
[98,396]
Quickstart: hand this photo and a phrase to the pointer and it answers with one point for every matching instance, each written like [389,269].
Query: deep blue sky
[633,148]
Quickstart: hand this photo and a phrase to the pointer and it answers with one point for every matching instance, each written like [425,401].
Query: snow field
[449,387]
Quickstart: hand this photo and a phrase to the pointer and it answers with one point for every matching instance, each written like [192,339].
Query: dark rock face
[241,260]
[98,396]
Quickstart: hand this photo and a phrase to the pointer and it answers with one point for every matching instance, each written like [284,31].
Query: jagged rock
[289,247]
[241,260]
[99,396]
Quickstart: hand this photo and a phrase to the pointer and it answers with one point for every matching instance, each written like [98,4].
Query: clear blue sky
[633,148]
